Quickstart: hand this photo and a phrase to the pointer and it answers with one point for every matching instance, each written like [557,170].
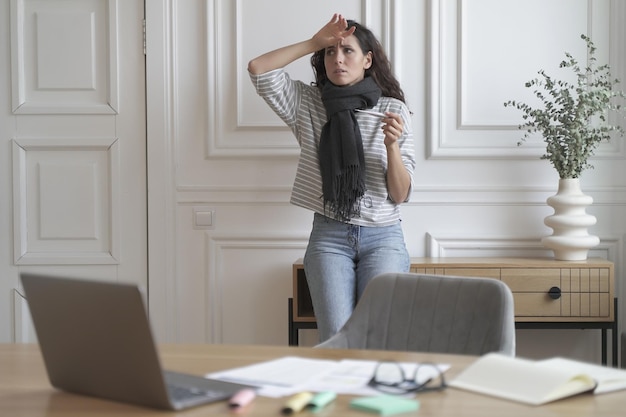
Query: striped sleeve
[281,93]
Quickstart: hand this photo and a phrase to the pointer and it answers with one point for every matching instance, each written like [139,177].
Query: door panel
[75,143]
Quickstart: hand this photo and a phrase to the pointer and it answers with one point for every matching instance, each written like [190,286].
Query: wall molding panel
[240,124]
[66,210]
[64,61]
[449,245]
[217,248]
[465,123]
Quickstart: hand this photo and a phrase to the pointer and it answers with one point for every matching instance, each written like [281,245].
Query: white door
[72,123]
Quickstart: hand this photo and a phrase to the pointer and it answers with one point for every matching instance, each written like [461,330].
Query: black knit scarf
[342,163]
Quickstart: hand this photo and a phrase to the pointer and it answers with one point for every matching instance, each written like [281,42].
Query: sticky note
[385,405]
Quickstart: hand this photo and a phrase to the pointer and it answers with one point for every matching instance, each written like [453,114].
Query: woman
[355,168]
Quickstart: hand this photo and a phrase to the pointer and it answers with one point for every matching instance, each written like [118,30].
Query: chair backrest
[431,313]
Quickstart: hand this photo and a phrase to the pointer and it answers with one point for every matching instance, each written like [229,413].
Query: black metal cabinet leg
[604,347]
[614,335]
[293,331]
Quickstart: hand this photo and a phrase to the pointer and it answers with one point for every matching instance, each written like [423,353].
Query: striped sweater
[300,106]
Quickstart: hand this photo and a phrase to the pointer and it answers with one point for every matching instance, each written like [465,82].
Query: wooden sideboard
[548,294]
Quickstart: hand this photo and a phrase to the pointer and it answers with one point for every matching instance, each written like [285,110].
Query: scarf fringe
[349,188]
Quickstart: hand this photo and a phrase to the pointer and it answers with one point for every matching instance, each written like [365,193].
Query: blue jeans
[341,259]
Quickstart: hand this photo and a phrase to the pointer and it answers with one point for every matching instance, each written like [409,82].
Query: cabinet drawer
[531,280]
[583,294]
[581,280]
[582,291]
[575,305]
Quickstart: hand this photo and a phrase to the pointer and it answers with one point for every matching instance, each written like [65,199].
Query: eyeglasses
[390,378]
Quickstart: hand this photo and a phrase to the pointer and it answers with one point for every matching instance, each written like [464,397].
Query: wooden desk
[25,391]
[548,294]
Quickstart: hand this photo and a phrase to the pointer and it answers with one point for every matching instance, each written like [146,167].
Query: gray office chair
[431,313]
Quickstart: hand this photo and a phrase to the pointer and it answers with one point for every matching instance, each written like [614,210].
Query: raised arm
[333,32]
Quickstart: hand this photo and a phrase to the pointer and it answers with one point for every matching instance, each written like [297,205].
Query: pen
[297,402]
[321,400]
[241,398]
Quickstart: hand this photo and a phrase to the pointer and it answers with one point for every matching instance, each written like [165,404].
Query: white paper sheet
[289,375]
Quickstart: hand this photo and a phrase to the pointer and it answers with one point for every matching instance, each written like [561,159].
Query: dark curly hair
[380,70]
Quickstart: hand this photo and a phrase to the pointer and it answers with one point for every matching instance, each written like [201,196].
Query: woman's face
[345,62]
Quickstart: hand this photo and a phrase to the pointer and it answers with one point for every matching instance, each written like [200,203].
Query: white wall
[215,147]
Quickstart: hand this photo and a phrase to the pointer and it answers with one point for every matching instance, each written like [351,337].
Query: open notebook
[537,382]
[96,340]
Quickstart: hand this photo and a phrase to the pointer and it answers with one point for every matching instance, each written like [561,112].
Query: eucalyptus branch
[573,117]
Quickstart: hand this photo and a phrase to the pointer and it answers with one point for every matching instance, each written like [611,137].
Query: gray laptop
[96,340]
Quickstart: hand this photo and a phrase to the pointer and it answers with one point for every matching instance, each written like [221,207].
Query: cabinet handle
[554,293]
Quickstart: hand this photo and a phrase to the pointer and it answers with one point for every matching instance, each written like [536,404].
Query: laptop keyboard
[178,393]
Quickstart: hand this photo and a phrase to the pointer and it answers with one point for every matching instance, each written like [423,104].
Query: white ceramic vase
[570,240]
